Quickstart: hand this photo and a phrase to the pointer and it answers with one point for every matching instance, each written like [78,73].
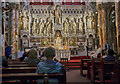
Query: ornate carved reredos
[45,22]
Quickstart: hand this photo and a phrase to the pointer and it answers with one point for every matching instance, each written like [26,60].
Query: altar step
[74,62]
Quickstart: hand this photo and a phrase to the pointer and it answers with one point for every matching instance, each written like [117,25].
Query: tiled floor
[73,76]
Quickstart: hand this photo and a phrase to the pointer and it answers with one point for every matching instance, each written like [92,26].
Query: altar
[64,52]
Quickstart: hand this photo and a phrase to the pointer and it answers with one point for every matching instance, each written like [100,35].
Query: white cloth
[99,50]
[20,54]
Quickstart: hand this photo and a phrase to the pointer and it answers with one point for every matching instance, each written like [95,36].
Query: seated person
[49,65]
[110,56]
[104,54]
[4,62]
[24,56]
[32,57]
[99,56]
[42,57]
[8,52]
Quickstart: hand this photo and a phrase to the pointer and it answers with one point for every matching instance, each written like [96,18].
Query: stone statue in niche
[34,31]
[25,21]
[85,20]
[37,26]
[89,21]
[80,25]
[49,26]
[66,25]
[20,20]
[58,39]
[73,25]
[41,27]
[58,14]
[90,42]
[25,41]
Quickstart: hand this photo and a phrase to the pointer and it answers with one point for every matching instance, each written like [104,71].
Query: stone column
[0,34]
[95,28]
[13,36]
[104,31]
[4,26]
[117,12]
[9,25]
[17,30]
[108,24]
[100,26]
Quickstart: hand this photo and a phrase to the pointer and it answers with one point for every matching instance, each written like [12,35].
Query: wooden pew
[88,69]
[22,65]
[32,77]
[105,71]
[13,60]
[16,63]
[18,70]
[85,65]
[116,73]
[95,64]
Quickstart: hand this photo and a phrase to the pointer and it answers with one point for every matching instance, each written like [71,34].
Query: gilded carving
[58,14]
[25,21]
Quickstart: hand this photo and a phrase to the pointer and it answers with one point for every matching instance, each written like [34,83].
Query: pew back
[18,70]
[84,65]
[105,71]
[95,64]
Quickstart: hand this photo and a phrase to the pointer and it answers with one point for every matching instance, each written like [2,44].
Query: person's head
[99,55]
[32,53]
[103,52]
[25,54]
[49,52]
[110,52]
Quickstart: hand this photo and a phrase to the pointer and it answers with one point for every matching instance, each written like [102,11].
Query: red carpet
[74,62]
[78,57]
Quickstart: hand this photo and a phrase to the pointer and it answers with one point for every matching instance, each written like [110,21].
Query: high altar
[68,28]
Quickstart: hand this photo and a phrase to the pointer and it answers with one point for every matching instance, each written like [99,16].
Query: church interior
[60,41]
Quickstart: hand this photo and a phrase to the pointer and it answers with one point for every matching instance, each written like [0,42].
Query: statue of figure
[85,20]
[73,26]
[80,25]
[89,20]
[58,40]
[58,15]
[30,22]
[41,26]
[25,21]
[49,26]
[66,25]
[37,26]
[34,27]
[20,20]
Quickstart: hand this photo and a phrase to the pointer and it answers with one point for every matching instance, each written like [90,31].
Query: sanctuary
[58,24]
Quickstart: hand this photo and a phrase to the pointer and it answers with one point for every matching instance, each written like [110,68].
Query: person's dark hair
[49,52]
[99,55]
[32,53]
[110,52]
[25,54]
[103,52]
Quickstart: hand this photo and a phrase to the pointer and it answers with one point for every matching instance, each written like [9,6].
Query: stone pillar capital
[98,7]
[106,6]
